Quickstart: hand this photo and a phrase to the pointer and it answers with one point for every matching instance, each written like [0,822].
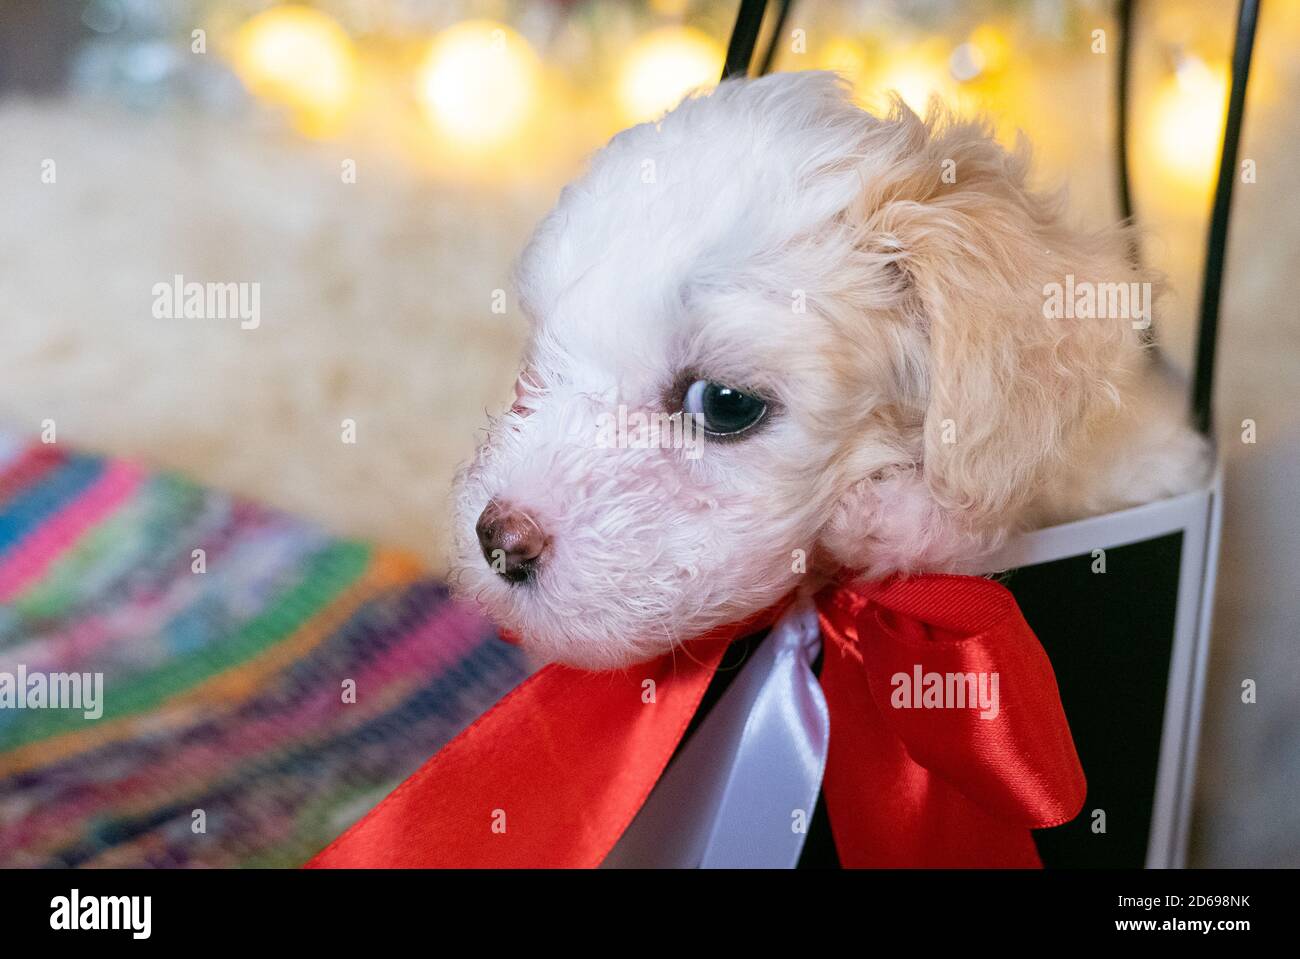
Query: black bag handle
[744,37]
[1216,249]
[1124,57]
[1216,246]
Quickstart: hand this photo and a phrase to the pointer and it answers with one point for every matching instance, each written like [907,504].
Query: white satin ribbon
[740,792]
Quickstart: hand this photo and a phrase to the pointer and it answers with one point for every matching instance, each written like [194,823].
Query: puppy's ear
[1008,383]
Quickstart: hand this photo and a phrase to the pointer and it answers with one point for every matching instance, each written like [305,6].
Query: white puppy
[881,333]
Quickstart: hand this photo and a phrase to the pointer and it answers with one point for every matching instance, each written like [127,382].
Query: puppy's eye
[721,410]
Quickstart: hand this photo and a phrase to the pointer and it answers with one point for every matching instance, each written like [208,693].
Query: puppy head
[773,336]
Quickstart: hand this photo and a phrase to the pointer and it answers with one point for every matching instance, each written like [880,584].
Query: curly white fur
[774,237]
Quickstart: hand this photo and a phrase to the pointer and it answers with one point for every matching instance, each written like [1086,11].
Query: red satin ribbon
[553,774]
[941,787]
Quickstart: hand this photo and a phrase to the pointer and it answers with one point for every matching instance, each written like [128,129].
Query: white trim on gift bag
[1177,857]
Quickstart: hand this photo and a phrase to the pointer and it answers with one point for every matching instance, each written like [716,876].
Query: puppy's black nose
[511,541]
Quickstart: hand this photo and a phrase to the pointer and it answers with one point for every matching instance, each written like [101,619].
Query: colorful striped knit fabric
[228,735]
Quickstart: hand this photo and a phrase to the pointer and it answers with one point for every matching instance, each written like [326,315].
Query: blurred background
[375,166]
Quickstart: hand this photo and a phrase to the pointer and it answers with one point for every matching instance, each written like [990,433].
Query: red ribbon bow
[553,774]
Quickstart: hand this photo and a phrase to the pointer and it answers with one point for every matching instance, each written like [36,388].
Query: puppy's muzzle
[511,540]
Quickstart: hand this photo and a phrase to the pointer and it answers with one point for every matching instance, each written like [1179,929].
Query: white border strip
[1100,532]
[1205,622]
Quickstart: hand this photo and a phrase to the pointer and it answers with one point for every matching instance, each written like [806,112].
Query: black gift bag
[1121,603]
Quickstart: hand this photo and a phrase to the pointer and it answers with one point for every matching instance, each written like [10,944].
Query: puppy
[774,337]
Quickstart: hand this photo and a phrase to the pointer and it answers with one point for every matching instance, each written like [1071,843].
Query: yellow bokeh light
[844,57]
[993,47]
[914,82]
[662,67]
[1188,116]
[915,76]
[299,58]
[914,71]
[669,8]
[479,84]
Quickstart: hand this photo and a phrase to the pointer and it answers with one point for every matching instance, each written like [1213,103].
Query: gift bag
[1121,603]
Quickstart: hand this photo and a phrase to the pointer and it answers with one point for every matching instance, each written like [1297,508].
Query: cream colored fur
[881,283]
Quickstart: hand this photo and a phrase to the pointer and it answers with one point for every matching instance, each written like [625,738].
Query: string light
[669,8]
[916,73]
[991,46]
[914,81]
[1187,122]
[478,84]
[301,59]
[662,67]
[846,58]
